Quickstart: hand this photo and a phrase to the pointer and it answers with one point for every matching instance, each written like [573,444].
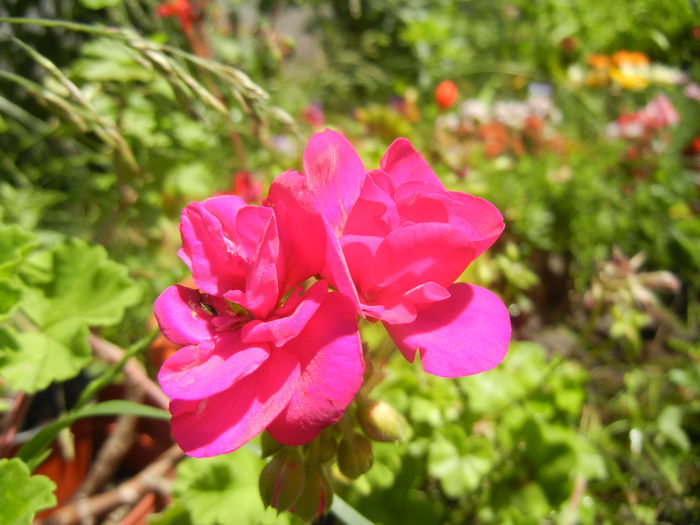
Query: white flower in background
[511,113]
[663,74]
[576,74]
[475,109]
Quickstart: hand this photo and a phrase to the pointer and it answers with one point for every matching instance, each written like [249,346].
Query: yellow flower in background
[631,78]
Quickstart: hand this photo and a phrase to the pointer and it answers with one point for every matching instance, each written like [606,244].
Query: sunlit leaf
[15,244]
[33,360]
[21,494]
[223,490]
[84,286]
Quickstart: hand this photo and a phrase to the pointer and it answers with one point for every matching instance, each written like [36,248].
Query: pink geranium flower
[394,241]
[251,361]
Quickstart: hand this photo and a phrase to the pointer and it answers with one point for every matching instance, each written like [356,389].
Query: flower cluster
[261,351]
[645,132]
[630,70]
[656,115]
[506,127]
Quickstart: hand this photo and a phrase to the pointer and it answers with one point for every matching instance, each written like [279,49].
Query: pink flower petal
[359,252]
[210,367]
[309,245]
[280,331]
[374,213]
[181,317]
[210,254]
[424,207]
[427,293]
[418,253]
[262,285]
[463,335]
[335,268]
[403,164]
[401,312]
[225,208]
[330,354]
[334,176]
[482,217]
[226,421]
[301,230]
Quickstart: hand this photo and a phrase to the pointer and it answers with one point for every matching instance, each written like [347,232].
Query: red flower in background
[182,9]
[246,186]
[446,94]
[313,114]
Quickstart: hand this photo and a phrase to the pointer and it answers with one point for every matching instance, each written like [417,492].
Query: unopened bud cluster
[298,478]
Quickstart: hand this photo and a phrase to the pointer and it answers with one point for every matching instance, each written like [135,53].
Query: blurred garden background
[579,120]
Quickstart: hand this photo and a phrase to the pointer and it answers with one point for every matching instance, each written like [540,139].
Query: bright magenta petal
[374,213]
[181,317]
[266,267]
[334,176]
[330,354]
[359,251]
[404,164]
[280,331]
[202,370]
[301,230]
[418,253]
[427,293]
[463,335]
[483,219]
[225,208]
[226,421]
[403,312]
[209,252]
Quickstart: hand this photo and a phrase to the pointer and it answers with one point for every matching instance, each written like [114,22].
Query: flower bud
[328,445]
[269,445]
[354,455]
[317,495]
[381,422]
[282,479]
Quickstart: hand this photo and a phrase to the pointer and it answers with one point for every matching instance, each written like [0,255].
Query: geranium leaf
[10,295]
[21,494]
[85,287]
[33,360]
[224,489]
[15,244]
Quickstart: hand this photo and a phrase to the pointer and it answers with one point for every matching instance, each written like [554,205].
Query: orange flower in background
[446,94]
[495,138]
[599,61]
[630,58]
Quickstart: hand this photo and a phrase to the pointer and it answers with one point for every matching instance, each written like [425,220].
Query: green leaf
[175,514]
[109,60]
[670,426]
[21,494]
[32,450]
[85,286]
[224,489]
[33,360]
[10,295]
[99,4]
[15,244]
